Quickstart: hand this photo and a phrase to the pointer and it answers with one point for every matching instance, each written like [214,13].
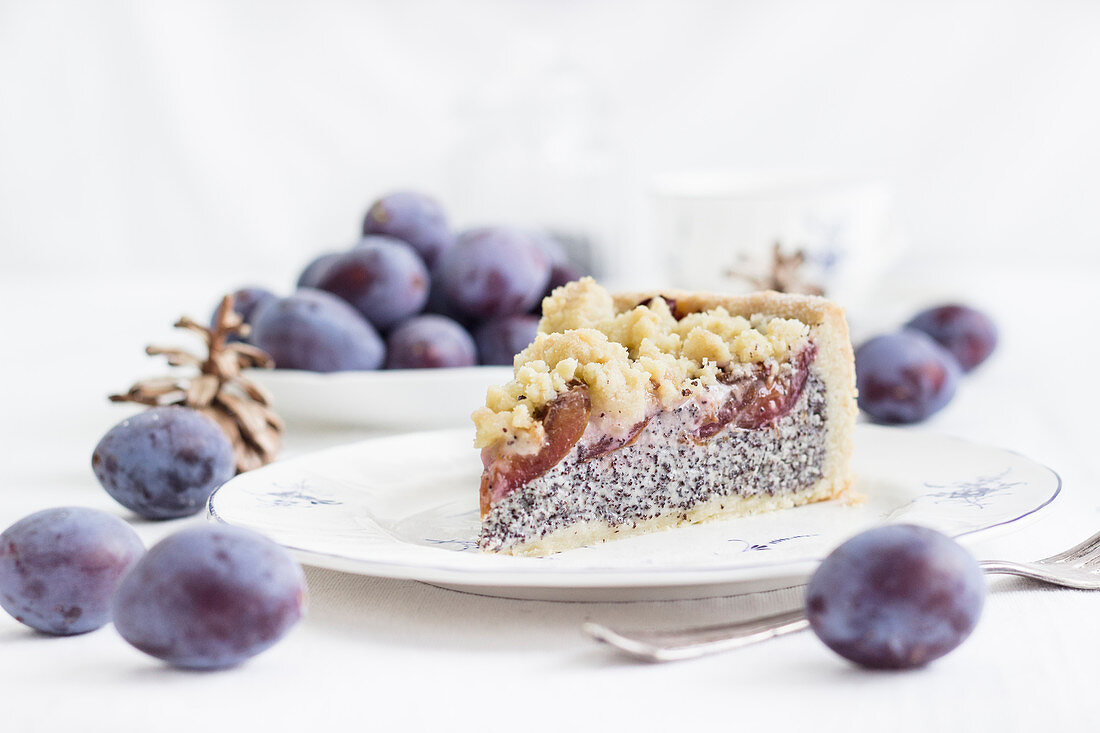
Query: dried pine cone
[240,406]
[784,276]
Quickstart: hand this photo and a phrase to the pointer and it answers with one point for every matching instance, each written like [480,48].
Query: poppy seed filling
[667,469]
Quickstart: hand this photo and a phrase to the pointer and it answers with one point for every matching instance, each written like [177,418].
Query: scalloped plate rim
[794,570]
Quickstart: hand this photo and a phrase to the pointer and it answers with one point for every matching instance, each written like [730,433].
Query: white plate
[408,399]
[407,507]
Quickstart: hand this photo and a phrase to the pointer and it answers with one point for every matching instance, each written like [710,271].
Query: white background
[153,154]
[193,134]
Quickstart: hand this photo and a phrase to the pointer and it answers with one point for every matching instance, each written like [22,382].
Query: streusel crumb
[628,359]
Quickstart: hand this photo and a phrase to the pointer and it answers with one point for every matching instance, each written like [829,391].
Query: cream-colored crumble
[628,359]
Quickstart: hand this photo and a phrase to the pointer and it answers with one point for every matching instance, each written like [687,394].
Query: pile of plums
[411,294]
[905,377]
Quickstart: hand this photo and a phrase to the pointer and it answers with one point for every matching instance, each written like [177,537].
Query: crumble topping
[631,360]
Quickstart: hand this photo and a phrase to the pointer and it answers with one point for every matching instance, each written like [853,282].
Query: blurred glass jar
[717,230]
[534,151]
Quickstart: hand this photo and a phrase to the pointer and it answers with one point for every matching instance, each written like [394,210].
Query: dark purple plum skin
[318,332]
[494,272]
[312,273]
[59,568]
[562,274]
[430,342]
[164,462]
[562,271]
[413,218]
[210,597]
[246,301]
[904,377]
[498,341]
[439,304]
[895,597]
[968,334]
[382,278]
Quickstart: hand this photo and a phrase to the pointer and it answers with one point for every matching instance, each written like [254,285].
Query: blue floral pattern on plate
[757,546]
[976,492]
[294,494]
[454,544]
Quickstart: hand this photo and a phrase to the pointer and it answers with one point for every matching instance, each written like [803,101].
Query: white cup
[709,223]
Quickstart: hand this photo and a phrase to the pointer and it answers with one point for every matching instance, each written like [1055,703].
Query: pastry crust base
[716,509]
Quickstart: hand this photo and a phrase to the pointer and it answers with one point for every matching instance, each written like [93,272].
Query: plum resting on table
[165,462]
[59,568]
[895,597]
[904,377]
[967,333]
[210,597]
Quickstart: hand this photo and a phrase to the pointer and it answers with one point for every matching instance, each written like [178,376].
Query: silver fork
[1077,567]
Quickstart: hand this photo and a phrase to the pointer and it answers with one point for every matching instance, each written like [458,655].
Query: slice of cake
[640,412]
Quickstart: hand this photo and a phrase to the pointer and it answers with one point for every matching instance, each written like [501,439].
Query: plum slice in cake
[639,412]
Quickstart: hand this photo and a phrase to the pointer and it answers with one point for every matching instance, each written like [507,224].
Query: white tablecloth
[377,654]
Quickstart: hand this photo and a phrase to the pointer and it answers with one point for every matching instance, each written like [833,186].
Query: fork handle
[669,646]
[1045,571]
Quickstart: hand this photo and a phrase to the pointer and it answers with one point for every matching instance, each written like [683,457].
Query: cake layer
[637,412]
[634,359]
[667,477]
